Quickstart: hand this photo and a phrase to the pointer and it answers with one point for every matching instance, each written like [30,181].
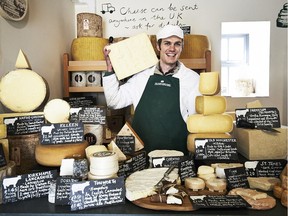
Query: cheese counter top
[41,206]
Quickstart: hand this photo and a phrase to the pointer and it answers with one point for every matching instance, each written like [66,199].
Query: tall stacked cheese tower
[210,120]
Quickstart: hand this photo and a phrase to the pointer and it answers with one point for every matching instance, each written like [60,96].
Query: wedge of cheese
[112,146]
[209,83]
[3,131]
[57,111]
[216,123]
[208,105]
[263,183]
[23,90]
[127,130]
[191,138]
[22,61]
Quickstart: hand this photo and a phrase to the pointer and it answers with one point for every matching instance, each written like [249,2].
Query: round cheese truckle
[57,111]
[209,83]
[208,105]
[216,123]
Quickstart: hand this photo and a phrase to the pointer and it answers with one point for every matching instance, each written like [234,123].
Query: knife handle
[245,124]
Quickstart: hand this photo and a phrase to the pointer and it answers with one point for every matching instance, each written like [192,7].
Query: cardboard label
[27,186]
[63,190]
[186,168]
[88,115]
[266,117]
[137,162]
[97,193]
[236,178]
[85,101]
[62,133]
[216,149]
[21,125]
[264,168]
[126,144]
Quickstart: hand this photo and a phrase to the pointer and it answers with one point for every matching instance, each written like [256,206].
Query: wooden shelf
[96,89]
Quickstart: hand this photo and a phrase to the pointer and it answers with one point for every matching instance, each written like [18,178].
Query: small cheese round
[284,199]
[203,169]
[216,184]
[57,111]
[96,177]
[90,150]
[277,191]
[194,183]
[104,163]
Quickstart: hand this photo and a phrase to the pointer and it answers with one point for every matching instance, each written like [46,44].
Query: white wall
[48,30]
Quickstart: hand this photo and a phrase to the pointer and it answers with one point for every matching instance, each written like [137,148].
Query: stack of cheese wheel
[103,164]
[210,120]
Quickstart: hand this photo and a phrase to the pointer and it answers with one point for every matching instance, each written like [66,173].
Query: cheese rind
[3,131]
[263,183]
[216,123]
[208,105]
[209,83]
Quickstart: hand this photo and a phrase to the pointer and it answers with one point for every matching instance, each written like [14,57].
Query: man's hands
[106,52]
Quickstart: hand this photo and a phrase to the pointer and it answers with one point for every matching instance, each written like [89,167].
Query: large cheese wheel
[52,155]
[191,138]
[88,48]
[209,83]
[23,90]
[57,111]
[208,105]
[216,123]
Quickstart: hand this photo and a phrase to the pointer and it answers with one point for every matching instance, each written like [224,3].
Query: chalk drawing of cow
[79,187]
[251,164]
[75,111]
[241,113]
[201,143]
[47,129]
[197,197]
[158,162]
[7,182]
[10,121]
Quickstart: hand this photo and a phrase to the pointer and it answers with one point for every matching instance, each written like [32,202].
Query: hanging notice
[227,201]
[265,117]
[27,186]
[85,101]
[21,125]
[236,178]
[125,18]
[137,162]
[216,149]
[92,194]
[62,133]
[63,189]
[186,168]
[264,168]
[88,115]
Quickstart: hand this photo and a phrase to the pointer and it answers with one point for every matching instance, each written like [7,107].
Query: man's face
[170,50]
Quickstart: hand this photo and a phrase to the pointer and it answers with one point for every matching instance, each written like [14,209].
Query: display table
[41,206]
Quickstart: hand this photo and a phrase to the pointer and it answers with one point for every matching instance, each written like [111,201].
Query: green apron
[157,119]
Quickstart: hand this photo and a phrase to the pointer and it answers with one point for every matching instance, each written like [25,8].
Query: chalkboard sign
[267,117]
[88,115]
[63,190]
[85,101]
[3,160]
[216,149]
[186,168]
[236,177]
[264,168]
[27,186]
[165,161]
[21,125]
[126,144]
[227,201]
[62,133]
[97,193]
[137,162]
[186,29]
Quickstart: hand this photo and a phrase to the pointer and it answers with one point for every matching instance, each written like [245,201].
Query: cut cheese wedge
[263,183]
[52,155]
[23,90]
[3,131]
[209,83]
[191,138]
[127,130]
[112,146]
[57,111]
[208,105]
[22,61]
[216,123]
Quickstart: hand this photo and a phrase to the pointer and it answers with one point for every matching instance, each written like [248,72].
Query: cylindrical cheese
[209,83]
[191,138]
[194,183]
[216,123]
[52,155]
[89,25]
[104,163]
[57,111]
[91,149]
[23,90]
[208,105]
[214,184]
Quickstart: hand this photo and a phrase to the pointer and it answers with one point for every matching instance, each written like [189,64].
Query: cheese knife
[165,176]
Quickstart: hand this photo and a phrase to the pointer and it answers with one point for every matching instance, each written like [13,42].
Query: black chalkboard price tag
[236,178]
[85,101]
[166,161]
[227,201]
[21,125]
[137,162]
[216,149]
[126,144]
[3,160]
[63,189]
[62,133]
[265,117]
[264,168]
[27,186]
[97,193]
[186,168]
[88,115]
